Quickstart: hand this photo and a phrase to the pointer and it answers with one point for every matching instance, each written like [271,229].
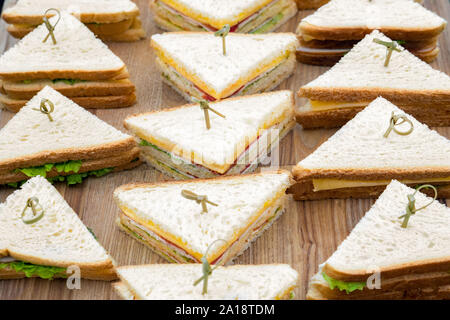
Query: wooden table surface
[306,235]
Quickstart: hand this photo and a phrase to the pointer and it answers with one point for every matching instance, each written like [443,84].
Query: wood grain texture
[306,235]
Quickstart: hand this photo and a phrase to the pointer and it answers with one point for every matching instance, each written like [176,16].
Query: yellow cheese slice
[332,184]
[331,105]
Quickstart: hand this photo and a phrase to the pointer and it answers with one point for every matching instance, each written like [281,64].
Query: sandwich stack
[41,236]
[364,155]
[195,64]
[361,76]
[53,137]
[248,16]
[178,142]
[330,32]
[110,20]
[78,65]
[239,282]
[215,219]
[383,258]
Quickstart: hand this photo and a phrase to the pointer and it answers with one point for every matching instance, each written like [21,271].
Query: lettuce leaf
[36,171]
[68,166]
[30,270]
[145,143]
[342,285]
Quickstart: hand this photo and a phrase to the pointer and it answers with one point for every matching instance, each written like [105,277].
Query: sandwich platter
[303,237]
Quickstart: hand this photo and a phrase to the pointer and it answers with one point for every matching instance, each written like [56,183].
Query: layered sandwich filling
[329,52]
[264,20]
[9,265]
[262,82]
[115,91]
[332,184]
[402,286]
[174,251]
[180,168]
[71,171]
[20,30]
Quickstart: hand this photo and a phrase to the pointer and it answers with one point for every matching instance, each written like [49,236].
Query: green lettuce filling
[342,285]
[30,270]
[68,166]
[145,143]
[68,81]
[269,24]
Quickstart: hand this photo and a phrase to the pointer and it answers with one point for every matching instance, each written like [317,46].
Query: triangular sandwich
[176,282]
[250,16]
[110,20]
[41,236]
[361,76]
[178,143]
[330,32]
[67,144]
[79,66]
[194,64]
[184,220]
[360,160]
[384,259]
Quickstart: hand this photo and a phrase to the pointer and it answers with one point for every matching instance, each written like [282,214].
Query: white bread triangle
[374,14]
[77,54]
[240,199]
[184,129]
[199,56]
[30,135]
[360,145]
[363,69]
[175,282]
[379,241]
[59,239]
[101,11]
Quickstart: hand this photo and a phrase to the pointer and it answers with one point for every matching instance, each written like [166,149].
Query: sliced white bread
[58,239]
[98,11]
[360,149]
[198,56]
[379,241]
[78,54]
[361,76]
[182,130]
[241,200]
[351,19]
[31,139]
[176,282]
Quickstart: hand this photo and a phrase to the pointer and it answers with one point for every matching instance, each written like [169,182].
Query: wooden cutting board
[306,235]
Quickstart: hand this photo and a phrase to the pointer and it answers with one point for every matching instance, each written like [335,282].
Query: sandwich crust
[416,267]
[304,191]
[55,156]
[116,161]
[434,115]
[357,33]
[85,17]
[396,96]
[104,102]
